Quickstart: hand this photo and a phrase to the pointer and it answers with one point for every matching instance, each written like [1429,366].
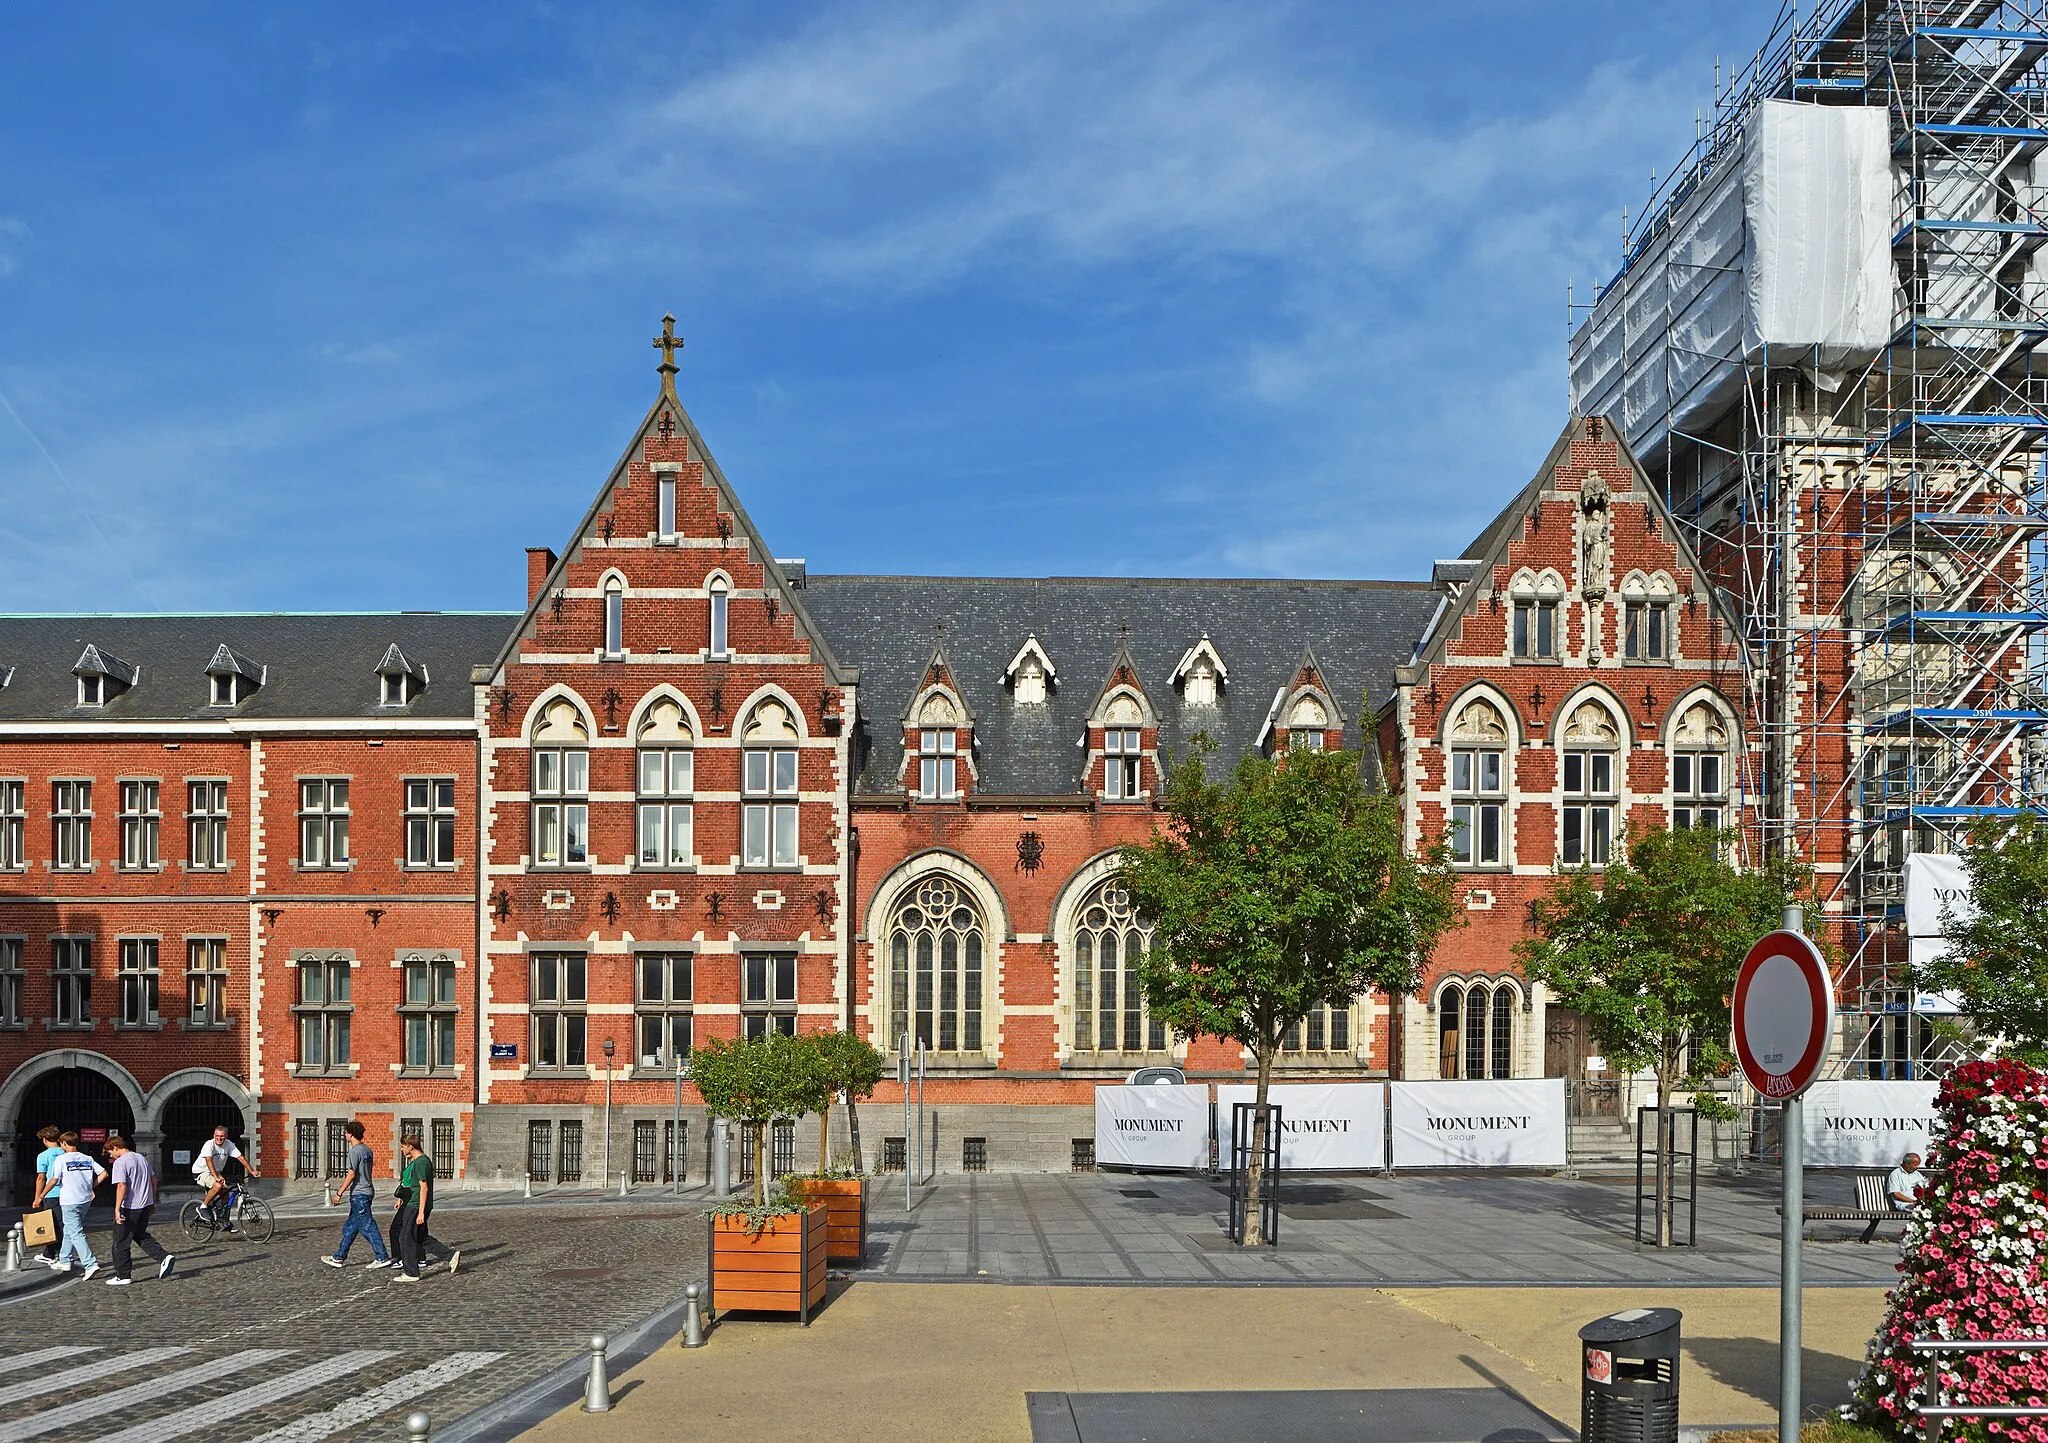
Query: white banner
[1868,1124]
[1324,1126]
[1479,1124]
[1934,882]
[1152,1126]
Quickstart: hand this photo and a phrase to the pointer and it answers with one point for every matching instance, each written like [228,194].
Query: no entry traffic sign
[1784,1009]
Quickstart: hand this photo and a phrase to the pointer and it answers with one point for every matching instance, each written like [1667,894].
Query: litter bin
[1628,1391]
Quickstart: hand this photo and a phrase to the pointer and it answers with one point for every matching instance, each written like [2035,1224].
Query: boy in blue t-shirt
[77,1175]
[46,1186]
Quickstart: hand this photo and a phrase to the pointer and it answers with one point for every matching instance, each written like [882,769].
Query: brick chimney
[540,560]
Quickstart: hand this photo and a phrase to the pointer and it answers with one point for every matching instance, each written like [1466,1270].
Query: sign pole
[1792,1228]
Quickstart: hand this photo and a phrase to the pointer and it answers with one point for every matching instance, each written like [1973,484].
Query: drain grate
[1137,1192]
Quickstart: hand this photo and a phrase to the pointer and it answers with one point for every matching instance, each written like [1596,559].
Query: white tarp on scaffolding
[1324,1126]
[1782,253]
[1934,883]
[1868,1124]
[1479,1124]
[1817,192]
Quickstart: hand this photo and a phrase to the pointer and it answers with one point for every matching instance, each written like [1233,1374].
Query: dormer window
[398,679]
[938,764]
[102,676]
[1201,674]
[1123,764]
[232,677]
[1030,674]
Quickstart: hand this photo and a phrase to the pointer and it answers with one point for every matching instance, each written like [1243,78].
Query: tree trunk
[1666,1135]
[1255,1168]
[853,1129]
[825,1136]
[761,1161]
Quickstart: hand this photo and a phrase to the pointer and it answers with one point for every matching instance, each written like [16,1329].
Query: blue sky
[341,307]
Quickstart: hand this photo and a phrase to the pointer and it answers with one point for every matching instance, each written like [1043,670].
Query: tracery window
[664,781]
[1591,791]
[1478,806]
[1476,1030]
[1109,948]
[1699,769]
[936,967]
[1325,1029]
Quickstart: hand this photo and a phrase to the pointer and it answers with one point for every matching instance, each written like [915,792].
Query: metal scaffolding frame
[1881,526]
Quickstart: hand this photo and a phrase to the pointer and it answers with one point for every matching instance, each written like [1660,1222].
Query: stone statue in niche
[1594,541]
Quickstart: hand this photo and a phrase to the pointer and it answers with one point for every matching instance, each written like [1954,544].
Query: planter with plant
[852,1068]
[767,1254]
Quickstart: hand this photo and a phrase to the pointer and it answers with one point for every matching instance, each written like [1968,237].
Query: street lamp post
[609,1048]
[675,1133]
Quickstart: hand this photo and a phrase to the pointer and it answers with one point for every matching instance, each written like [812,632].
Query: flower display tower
[1973,1263]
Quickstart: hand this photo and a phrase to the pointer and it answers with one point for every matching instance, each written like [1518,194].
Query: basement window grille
[894,1154]
[1084,1154]
[974,1154]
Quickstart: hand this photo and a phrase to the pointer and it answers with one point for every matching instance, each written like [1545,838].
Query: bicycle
[251,1217]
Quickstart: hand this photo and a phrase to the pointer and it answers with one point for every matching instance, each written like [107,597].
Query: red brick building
[496,875]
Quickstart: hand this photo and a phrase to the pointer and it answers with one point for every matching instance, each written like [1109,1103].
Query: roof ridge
[1258,581]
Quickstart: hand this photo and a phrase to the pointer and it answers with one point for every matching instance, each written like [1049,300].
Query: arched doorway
[69,1098]
[187,1120]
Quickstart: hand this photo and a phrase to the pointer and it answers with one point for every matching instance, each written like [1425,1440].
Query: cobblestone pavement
[272,1344]
[1412,1229]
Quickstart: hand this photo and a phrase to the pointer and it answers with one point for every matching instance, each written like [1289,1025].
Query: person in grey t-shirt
[359,1188]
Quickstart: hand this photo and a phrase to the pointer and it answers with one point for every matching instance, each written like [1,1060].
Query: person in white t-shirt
[210,1168]
[1902,1187]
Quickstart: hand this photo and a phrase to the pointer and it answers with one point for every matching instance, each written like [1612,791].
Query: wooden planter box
[846,1216]
[780,1269]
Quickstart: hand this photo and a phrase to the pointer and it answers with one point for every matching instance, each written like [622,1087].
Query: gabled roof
[1202,647]
[324,662]
[1123,672]
[395,663]
[791,596]
[1489,548]
[97,661]
[1360,631]
[1032,647]
[938,672]
[1307,677]
[229,662]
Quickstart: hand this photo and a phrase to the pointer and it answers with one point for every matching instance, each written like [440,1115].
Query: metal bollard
[693,1317]
[527,1185]
[14,1249]
[623,1175]
[597,1393]
[418,1426]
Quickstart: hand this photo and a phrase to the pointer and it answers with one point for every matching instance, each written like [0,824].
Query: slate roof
[888,625]
[314,665]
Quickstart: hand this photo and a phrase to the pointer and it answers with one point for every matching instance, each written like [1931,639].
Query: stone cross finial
[668,343]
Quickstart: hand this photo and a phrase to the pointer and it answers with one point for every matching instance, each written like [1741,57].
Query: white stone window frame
[612,587]
[1200,675]
[771,794]
[1534,588]
[1728,800]
[1651,589]
[718,589]
[558,722]
[1497,987]
[141,818]
[1127,756]
[1031,676]
[1586,800]
[1451,741]
[890,893]
[953,726]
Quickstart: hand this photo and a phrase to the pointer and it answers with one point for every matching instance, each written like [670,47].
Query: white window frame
[1591,802]
[206,983]
[141,824]
[721,617]
[938,763]
[13,984]
[429,1018]
[206,824]
[1646,630]
[664,833]
[614,618]
[1533,628]
[430,822]
[92,690]
[768,993]
[662,1013]
[326,1014]
[769,825]
[394,692]
[1123,764]
[1479,804]
[323,824]
[665,507]
[13,824]
[71,824]
[559,1002]
[561,809]
[1699,789]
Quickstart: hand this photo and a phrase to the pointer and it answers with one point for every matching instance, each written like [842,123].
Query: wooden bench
[1872,1206]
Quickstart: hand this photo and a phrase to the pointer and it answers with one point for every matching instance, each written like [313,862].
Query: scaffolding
[1871,500]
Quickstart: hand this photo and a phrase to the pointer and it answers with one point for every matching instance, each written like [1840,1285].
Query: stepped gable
[315,665]
[1359,630]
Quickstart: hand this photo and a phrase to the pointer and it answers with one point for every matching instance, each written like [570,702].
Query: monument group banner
[1868,1124]
[1479,1124]
[1324,1127]
[1152,1126]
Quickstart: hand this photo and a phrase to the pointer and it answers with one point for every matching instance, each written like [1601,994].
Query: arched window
[1699,769]
[614,617]
[1478,801]
[719,593]
[1592,780]
[561,786]
[1476,1030]
[1325,1029]
[664,780]
[1109,947]
[935,967]
[1307,720]
[768,787]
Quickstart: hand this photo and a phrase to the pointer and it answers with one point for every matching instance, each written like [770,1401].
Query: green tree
[1647,951]
[1282,888]
[1996,961]
[761,1080]
[852,1068]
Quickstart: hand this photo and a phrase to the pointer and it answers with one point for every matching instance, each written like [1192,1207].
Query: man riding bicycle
[219,1166]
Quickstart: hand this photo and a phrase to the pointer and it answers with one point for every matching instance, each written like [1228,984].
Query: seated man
[1903,1187]
[218,1166]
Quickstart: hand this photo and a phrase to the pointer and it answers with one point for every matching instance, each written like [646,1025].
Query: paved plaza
[1417,1229]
